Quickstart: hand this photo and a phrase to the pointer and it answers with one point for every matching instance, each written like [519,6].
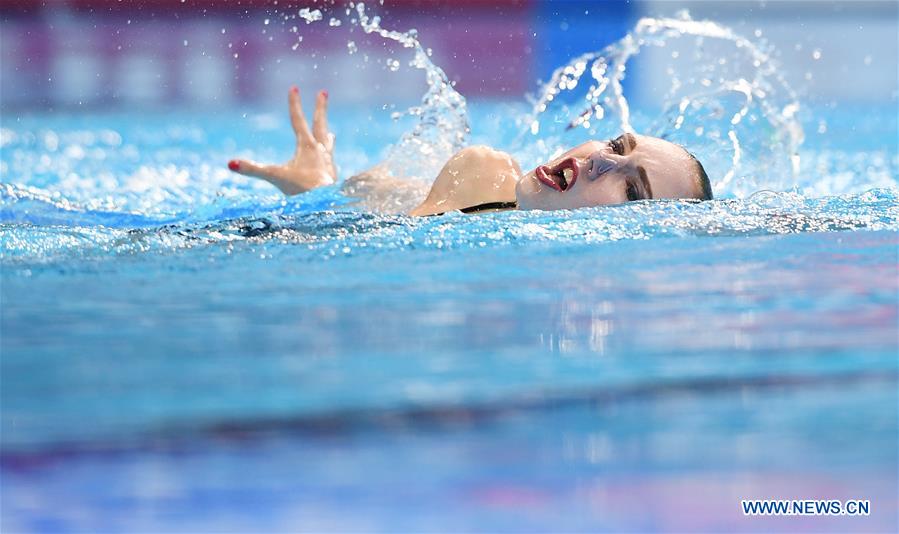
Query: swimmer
[479,179]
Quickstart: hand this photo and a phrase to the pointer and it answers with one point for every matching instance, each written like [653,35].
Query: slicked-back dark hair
[704,184]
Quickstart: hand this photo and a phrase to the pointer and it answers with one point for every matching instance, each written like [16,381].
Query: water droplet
[310,15]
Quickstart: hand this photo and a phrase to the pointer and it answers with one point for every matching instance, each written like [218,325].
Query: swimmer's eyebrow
[631,140]
[645,180]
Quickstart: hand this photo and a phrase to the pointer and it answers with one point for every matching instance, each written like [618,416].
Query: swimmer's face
[597,173]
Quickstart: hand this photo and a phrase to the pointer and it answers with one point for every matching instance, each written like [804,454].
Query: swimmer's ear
[320,122]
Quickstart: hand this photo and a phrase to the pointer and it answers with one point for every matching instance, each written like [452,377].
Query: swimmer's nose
[598,166]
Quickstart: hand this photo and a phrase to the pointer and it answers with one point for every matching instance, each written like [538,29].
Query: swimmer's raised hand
[312,164]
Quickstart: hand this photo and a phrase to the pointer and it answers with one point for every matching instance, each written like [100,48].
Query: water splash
[442,127]
[310,15]
[440,124]
[327,234]
[726,101]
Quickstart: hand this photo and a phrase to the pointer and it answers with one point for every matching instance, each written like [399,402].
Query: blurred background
[172,361]
[73,54]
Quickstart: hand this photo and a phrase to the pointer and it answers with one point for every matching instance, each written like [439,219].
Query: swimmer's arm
[312,164]
[377,189]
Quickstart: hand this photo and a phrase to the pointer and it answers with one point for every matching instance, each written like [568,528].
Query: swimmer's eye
[617,146]
[632,192]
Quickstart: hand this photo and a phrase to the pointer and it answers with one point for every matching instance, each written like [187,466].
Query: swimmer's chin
[530,194]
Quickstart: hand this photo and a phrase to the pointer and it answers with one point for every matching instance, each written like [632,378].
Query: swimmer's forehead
[631,141]
[670,150]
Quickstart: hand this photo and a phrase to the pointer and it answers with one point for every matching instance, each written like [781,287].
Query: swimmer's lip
[551,176]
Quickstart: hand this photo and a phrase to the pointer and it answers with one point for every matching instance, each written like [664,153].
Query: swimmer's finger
[320,121]
[251,168]
[297,119]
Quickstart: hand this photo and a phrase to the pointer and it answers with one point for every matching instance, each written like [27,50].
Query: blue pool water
[183,348]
